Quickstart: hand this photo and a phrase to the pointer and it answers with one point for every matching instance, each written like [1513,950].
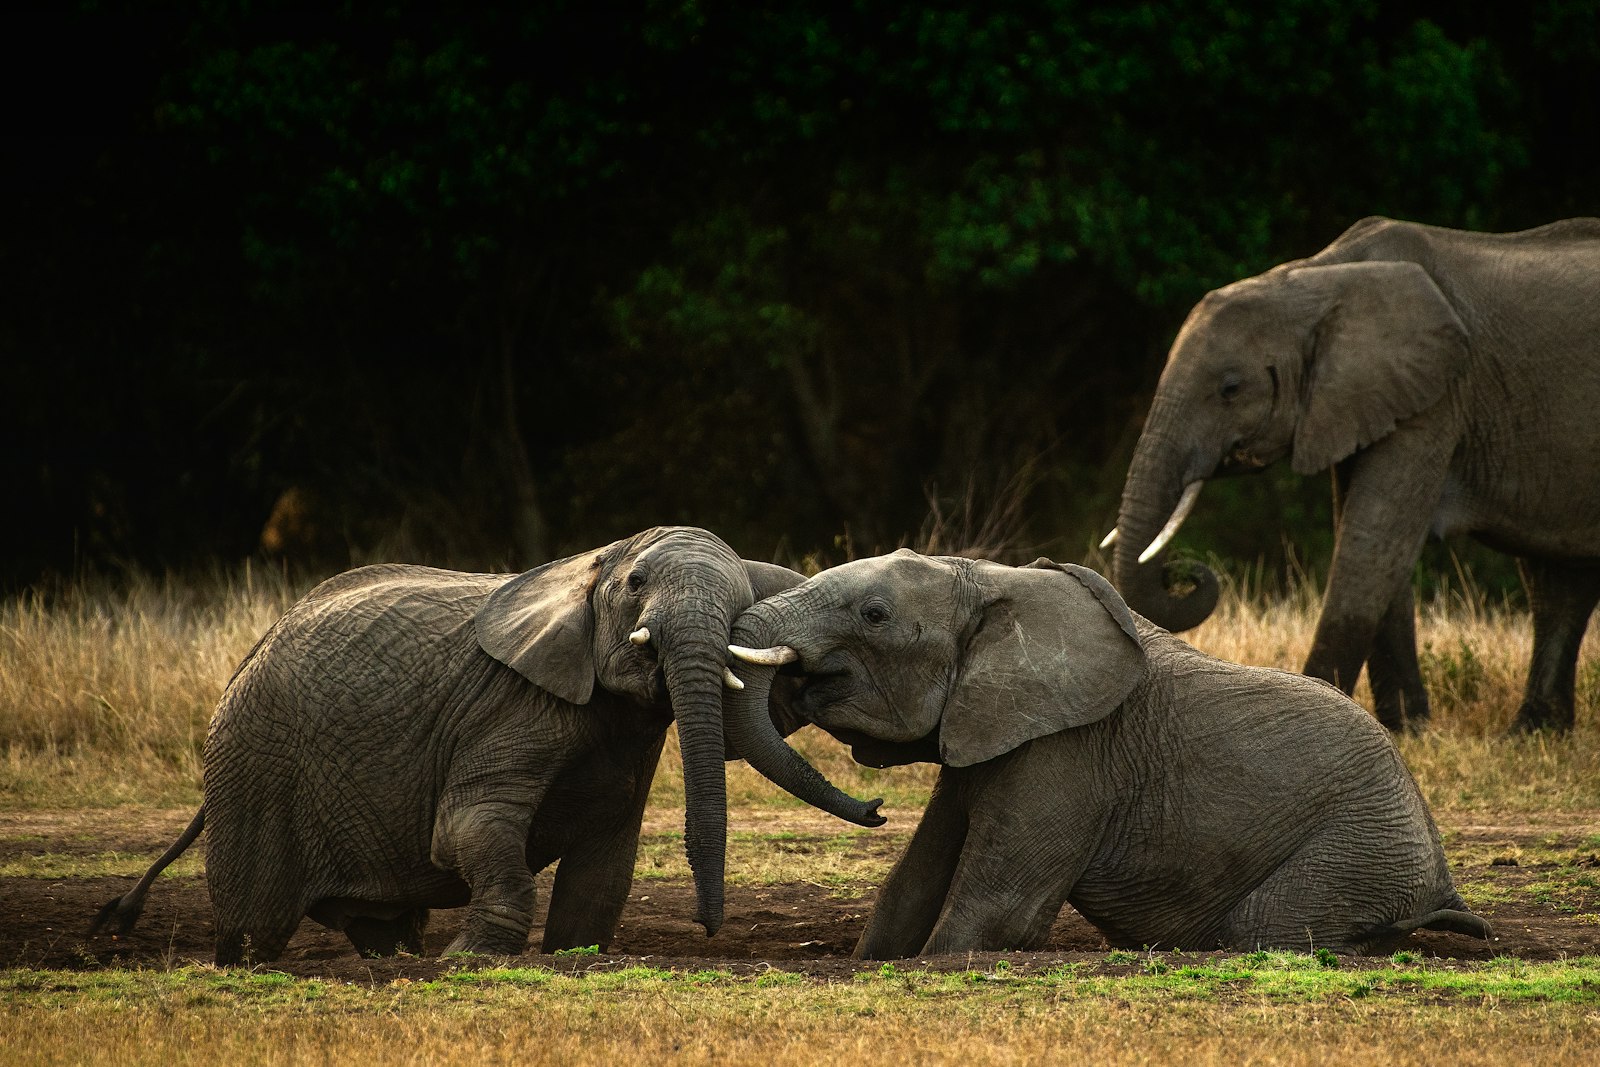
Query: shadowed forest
[481,287]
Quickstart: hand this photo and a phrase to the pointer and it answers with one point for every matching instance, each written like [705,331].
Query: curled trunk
[1175,597]
[757,740]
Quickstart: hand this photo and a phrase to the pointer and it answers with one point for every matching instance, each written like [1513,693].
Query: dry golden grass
[642,1016]
[105,694]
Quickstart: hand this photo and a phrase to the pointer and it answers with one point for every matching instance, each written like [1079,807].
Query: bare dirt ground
[1538,879]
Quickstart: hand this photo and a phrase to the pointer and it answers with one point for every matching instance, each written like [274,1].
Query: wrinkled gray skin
[407,738]
[1175,800]
[1451,380]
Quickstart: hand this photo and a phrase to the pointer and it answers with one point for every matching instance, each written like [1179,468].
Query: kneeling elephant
[1088,756]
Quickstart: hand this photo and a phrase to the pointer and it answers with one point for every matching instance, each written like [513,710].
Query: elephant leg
[1399,697]
[1562,597]
[388,937]
[1393,491]
[913,895]
[239,946]
[1027,845]
[486,843]
[593,879]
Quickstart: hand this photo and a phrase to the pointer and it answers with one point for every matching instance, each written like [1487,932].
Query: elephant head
[951,660]
[1309,361]
[647,617]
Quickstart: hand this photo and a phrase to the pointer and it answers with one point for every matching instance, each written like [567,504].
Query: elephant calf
[1175,800]
[407,738]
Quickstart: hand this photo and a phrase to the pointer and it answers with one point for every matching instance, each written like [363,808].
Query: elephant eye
[635,581]
[875,613]
[1230,388]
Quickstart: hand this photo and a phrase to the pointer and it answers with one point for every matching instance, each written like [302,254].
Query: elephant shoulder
[384,602]
[382,580]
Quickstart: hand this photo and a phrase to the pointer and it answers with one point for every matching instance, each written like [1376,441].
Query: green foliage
[505,281]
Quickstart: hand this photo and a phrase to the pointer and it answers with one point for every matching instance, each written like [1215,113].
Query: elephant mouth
[1241,461]
[821,686]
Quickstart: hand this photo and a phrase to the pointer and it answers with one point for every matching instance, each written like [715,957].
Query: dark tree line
[478,287]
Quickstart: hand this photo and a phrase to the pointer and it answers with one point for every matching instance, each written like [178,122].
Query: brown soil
[794,926]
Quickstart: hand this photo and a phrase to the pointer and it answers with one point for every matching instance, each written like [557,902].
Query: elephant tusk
[1191,493]
[730,679]
[776,656]
[1110,538]
[641,636]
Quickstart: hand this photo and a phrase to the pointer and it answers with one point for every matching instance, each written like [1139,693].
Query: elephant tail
[124,911]
[1453,918]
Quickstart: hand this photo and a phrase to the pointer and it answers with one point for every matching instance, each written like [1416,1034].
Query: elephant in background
[1175,800]
[1450,379]
[405,738]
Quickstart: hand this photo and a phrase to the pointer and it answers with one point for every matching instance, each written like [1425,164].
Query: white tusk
[641,636]
[1191,493]
[776,656]
[1110,538]
[730,679]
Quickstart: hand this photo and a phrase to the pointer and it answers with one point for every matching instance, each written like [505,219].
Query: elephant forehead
[904,575]
[666,544]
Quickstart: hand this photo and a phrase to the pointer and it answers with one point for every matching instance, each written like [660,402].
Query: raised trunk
[757,740]
[693,667]
[1178,599]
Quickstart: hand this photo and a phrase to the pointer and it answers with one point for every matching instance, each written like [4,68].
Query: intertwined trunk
[692,662]
[755,738]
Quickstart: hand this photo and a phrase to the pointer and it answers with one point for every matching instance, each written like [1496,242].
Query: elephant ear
[1387,346]
[1056,648]
[541,625]
[769,579]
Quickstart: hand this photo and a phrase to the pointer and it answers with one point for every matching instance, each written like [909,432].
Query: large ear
[1388,345]
[1056,648]
[541,625]
[769,579]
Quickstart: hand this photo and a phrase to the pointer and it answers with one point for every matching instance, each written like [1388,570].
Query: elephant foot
[492,932]
[388,937]
[1539,717]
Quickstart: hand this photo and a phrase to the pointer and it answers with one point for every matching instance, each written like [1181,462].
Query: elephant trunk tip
[868,815]
[710,917]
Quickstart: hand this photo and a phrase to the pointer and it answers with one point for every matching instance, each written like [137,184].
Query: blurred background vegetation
[481,287]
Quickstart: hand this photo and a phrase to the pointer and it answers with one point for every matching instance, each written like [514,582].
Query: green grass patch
[1163,976]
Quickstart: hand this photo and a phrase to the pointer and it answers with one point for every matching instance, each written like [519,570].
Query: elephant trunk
[757,740]
[1156,482]
[693,663]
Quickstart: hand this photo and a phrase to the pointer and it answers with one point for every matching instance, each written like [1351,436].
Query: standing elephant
[407,738]
[1451,380]
[1091,757]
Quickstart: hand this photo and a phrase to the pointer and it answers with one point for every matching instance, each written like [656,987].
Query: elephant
[1449,379]
[406,738]
[1176,800]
